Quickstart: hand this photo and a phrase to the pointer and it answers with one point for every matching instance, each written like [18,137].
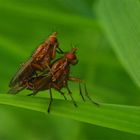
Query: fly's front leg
[78,81]
[54,50]
[86,93]
[85,88]
[59,51]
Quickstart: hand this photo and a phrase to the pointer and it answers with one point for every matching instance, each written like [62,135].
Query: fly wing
[39,83]
[45,83]
[23,72]
[15,89]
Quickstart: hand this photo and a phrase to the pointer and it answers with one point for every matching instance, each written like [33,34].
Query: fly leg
[80,89]
[32,87]
[60,51]
[50,70]
[51,99]
[54,50]
[85,88]
[33,94]
[75,80]
[70,93]
[62,93]
[86,93]
[78,81]
[40,68]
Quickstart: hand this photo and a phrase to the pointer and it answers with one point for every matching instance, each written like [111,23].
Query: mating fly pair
[39,73]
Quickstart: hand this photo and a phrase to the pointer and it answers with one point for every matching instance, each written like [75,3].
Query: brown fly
[39,62]
[61,75]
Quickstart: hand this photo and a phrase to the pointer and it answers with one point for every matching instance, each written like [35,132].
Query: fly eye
[52,39]
[70,56]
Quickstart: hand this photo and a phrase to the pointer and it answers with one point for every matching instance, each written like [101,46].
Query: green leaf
[121,21]
[43,13]
[120,117]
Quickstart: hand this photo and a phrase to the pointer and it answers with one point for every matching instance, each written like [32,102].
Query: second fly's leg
[80,89]
[86,93]
[62,93]
[70,93]
[78,81]
[51,99]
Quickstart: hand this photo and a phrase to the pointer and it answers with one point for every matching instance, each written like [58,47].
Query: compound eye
[52,40]
[71,56]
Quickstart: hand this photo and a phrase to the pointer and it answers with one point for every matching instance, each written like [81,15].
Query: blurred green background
[24,24]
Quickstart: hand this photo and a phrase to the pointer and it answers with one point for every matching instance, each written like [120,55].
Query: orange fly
[39,62]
